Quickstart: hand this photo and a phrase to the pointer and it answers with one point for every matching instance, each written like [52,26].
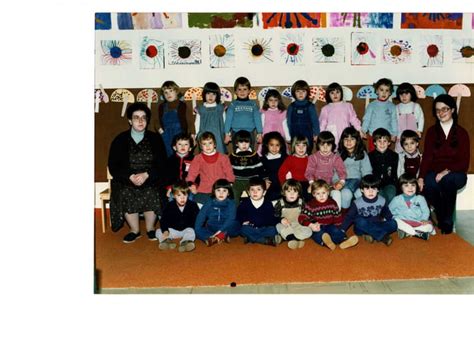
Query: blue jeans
[350,190]
[376,229]
[258,234]
[442,196]
[388,192]
[337,235]
[206,232]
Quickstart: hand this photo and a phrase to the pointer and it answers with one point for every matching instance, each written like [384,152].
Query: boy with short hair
[177,221]
[409,159]
[384,163]
[370,213]
[256,215]
[243,113]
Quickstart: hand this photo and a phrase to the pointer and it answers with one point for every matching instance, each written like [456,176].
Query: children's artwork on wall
[431,21]
[103,21]
[148,96]
[259,50]
[222,51]
[287,93]
[292,49]
[431,51]
[396,51]
[293,20]
[152,54]
[361,20]
[182,52]
[116,52]
[168,20]
[328,49]
[363,48]
[151,20]
[463,50]
[122,95]
[226,95]
[220,20]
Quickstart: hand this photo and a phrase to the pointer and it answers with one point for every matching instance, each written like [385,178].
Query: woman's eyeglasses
[443,109]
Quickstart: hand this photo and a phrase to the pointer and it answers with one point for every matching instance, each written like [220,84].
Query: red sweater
[326,213]
[297,167]
[445,157]
[209,172]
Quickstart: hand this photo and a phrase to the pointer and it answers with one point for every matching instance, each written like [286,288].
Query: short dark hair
[211,87]
[291,184]
[369,181]
[207,135]
[408,178]
[332,87]
[379,133]
[409,134]
[326,137]
[180,186]
[406,87]
[242,80]
[183,137]
[386,82]
[222,183]
[138,107]
[242,136]
[300,85]
[257,181]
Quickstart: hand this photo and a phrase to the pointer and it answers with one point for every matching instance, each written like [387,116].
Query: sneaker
[401,234]
[278,239]
[270,241]
[186,246]
[300,243]
[167,244]
[131,237]
[387,239]
[152,235]
[352,241]
[368,238]
[211,241]
[422,235]
[327,240]
[220,236]
[293,244]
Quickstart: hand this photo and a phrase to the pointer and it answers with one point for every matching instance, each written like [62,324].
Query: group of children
[297,196]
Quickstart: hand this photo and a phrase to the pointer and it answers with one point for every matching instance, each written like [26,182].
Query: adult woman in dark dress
[445,161]
[135,160]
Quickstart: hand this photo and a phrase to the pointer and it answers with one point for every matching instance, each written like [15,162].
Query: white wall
[276,73]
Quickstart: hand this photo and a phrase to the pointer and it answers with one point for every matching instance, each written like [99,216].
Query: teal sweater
[380,114]
[243,115]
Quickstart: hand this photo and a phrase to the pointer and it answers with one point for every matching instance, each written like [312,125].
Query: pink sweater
[322,167]
[210,172]
[335,117]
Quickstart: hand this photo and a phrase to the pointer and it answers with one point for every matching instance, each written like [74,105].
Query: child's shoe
[401,234]
[422,235]
[167,244]
[352,241]
[368,238]
[211,241]
[293,244]
[186,246]
[387,239]
[278,239]
[300,243]
[328,241]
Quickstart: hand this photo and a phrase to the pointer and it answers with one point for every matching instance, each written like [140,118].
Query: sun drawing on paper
[431,51]
[463,50]
[292,49]
[116,52]
[396,51]
[328,49]
[222,51]
[259,50]
[184,52]
[362,47]
[151,54]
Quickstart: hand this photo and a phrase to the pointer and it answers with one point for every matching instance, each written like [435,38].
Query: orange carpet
[142,265]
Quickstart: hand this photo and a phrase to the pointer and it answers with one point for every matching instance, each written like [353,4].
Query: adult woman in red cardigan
[445,161]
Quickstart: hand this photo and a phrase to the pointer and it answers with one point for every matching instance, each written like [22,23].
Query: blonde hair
[320,184]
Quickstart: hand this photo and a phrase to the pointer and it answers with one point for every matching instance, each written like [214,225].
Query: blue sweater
[356,169]
[374,210]
[258,217]
[243,115]
[380,115]
[218,214]
[418,210]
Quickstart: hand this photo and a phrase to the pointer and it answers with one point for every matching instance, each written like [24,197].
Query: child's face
[272,102]
[208,146]
[300,94]
[291,195]
[383,92]
[349,143]
[138,121]
[300,149]
[243,146]
[274,146]
[405,97]
[335,96]
[170,94]
[370,193]
[242,91]
[221,194]
[410,146]
[211,97]
[382,144]
[256,192]
[325,148]
[182,147]
[321,195]
[181,198]
[409,189]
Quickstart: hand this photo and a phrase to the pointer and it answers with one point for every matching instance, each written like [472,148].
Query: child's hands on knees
[338,185]
[285,222]
[315,227]
[193,189]
[166,235]
[259,138]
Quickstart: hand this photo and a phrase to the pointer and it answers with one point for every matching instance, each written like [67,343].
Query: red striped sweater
[326,213]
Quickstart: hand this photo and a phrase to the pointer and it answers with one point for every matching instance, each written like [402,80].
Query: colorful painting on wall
[103,21]
[152,54]
[222,51]
[363,48]
[220,20]
[293,20]
[432,21]
[431,51]
[328,49]
[361,20]
[116,52]
[463,50]
[259,50]
[396,51]
[152,20]
[292,49]
[183,52]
